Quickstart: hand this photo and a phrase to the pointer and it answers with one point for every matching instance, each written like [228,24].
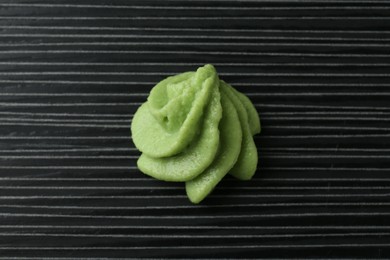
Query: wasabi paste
[195,128]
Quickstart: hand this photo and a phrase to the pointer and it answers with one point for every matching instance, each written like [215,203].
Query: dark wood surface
[72,74]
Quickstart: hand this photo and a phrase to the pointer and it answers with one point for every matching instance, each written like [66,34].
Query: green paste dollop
[196,128]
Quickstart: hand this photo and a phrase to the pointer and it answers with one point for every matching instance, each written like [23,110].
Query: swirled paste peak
[170,119]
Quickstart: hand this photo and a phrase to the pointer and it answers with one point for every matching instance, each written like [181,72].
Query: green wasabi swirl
[195,128]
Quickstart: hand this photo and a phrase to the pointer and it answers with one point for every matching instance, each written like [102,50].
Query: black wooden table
[72,74]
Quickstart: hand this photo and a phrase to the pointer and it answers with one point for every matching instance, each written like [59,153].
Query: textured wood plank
[72,74]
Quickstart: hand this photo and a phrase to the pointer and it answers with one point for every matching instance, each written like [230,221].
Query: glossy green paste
[195,128]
